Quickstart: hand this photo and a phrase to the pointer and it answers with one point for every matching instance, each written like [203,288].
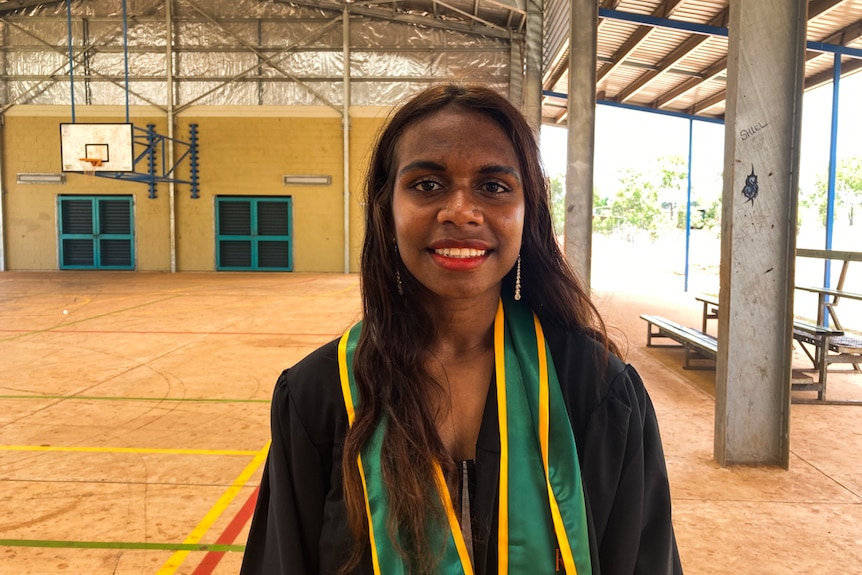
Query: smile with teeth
[460,252]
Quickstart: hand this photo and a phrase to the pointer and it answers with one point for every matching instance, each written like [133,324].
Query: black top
[300,523]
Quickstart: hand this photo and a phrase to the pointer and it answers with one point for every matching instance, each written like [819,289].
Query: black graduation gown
[300,524]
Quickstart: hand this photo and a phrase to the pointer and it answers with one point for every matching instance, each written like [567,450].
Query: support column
[2,197]
[581,122]
[533,63]
[345,131]
[171,119]
[766,55]
[516,72]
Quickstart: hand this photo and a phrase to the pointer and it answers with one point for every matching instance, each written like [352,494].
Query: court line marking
[121,398]
[171,565]
[23,332]
[214,556]
[82,320]
[129,545]
[136,450]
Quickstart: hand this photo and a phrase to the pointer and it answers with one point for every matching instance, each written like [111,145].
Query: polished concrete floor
[134,418]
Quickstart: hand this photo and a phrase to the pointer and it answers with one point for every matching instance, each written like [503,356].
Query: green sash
[542,516]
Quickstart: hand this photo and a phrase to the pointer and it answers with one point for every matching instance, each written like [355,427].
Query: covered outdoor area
[134,407]
[135,410]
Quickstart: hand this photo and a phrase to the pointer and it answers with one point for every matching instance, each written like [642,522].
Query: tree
[673,182]
[848,189]
[604,219]
[557,192]
[636,203]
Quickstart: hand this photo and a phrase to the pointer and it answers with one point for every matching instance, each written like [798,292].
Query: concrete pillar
[533,63]
[766,55]
[516,73]
[581,122]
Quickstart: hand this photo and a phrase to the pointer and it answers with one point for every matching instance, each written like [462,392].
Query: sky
[635,139]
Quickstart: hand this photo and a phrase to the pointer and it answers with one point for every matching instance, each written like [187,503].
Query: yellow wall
[242,151]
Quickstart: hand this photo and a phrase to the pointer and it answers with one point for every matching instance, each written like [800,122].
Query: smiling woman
[478,419]
[458,206]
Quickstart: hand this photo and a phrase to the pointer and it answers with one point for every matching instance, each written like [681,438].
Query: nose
[460,208]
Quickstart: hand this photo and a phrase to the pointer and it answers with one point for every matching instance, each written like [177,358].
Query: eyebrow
[494,169]
[421,165]
[434,166]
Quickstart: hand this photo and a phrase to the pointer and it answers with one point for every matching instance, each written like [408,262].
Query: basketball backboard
[96,147]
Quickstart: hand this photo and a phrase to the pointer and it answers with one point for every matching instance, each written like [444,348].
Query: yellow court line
[200,530]
[332,293]
[126,450]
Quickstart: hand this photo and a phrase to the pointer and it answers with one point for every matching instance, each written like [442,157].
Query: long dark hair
[397,331]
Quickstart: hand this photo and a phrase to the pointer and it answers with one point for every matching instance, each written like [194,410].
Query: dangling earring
[398,283]
[518,280]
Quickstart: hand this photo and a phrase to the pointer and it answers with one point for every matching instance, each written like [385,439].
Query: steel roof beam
[12,5]
[663,10]
[825,76]
[833,43]
[819,7]
[689,45]
[705,76]
[710,29]
[392,16]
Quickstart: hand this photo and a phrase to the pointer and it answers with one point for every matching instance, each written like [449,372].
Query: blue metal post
[688,203]
[71,55]
[193,159]
[151,159]
[833,166]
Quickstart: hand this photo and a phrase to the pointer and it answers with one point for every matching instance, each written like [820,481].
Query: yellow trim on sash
[544,427]
[351,416]
[500,368]
[345,381]
[454,524]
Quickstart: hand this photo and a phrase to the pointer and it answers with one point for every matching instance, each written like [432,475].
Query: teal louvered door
[96,232]
[253,233]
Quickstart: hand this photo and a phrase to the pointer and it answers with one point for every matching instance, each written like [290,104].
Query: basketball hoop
[89,165]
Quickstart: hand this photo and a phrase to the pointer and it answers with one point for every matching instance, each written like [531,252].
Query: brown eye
[427,186]
[495,188]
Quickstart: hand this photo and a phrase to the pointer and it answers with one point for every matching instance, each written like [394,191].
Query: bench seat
[831,346]
[697,344]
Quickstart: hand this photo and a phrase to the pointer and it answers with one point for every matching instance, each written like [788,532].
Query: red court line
[212,558]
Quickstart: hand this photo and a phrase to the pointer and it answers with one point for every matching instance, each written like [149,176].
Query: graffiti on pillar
[750,188]
[751,131]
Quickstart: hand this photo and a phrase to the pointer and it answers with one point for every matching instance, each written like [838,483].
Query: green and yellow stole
[542,517]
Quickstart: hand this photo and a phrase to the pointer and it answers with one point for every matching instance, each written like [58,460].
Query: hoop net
[89,165]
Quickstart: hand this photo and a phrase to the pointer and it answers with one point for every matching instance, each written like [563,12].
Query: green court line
[82,320]
[122,545]
[121,398]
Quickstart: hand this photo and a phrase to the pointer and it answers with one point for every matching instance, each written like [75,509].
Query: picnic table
[813,334]
[838,347]
[828,342]
[710,309]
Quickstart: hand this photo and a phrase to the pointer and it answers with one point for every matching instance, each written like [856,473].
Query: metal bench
[700,345]
[830,346]
[697,345]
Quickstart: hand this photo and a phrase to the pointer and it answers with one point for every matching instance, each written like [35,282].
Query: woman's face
[458,203]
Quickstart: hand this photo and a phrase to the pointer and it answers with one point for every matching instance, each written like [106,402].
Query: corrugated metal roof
[650,65]
[647,64]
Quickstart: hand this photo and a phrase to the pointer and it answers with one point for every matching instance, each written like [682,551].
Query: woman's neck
[462,327]
[461,360]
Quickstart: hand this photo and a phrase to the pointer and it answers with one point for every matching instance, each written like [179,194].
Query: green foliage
[557,191]
[848,190]
[643,202]
[652,201]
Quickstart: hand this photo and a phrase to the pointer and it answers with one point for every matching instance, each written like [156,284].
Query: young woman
[477,420]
